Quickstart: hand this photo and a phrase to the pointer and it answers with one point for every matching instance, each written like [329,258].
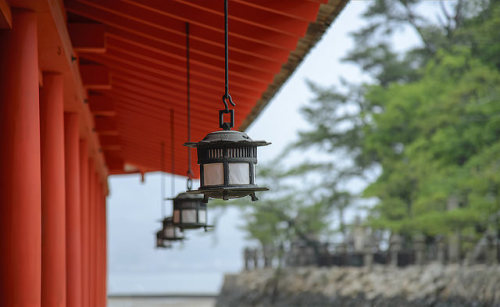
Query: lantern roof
[167,221]
[226,138]
[186,196]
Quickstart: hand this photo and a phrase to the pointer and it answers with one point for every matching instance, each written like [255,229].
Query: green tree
[428,123]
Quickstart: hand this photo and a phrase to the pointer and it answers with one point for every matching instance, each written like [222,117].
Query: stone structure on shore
[364,247]
[427,285]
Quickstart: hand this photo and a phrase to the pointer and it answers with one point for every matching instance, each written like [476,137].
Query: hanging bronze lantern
[160,242]
[227,162]
[227,158]
[190,211]
[170,231]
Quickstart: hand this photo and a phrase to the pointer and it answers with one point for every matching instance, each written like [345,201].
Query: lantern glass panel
[239,173]
[169,232]
[189,216]
[213,174]
[202,216]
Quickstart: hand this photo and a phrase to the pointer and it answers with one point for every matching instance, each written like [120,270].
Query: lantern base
[164,246]
[184,226]
[174,239]
[230,192]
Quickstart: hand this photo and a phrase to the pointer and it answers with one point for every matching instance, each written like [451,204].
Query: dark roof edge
[326,15]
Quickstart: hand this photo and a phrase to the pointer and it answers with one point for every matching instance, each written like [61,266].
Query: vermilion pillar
[99,233]
[73,211]
[102,247]
[84,207]
[92,273]
[53,192]
[104,250]
[20,191]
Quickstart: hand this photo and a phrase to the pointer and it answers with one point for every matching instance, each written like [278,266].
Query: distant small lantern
[227,162]
[190,211]
[170,231]
[160,242]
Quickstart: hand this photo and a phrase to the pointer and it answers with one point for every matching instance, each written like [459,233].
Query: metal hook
[226,97]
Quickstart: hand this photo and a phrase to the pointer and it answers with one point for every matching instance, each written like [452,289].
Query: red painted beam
[125,74]
[73,211]
[152,161]
[105,126]
[53,192]
[215,59]
[107,148]
[128,105]
[110,142]
[88,37]
[95,77]
[175,94]
[101,105]
[162,64]
[177,37]
[114,160]
[178,63]
[197,80]
[207,27]
[249,15]
[5,15]
[297,9]
[20,183]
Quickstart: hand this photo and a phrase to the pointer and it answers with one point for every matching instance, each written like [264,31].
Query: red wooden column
[104,249]
[92,185]
[73,211]
[20,184]
[53,192]
[99,285]
[84,214]
[97,239]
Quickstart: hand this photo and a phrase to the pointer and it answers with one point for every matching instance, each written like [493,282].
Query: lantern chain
[162,179]
[226,97]
[172,142]
[188,94]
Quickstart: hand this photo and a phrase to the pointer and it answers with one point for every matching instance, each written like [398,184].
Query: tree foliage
[430,121]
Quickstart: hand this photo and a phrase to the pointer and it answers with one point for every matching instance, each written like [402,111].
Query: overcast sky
[198,265]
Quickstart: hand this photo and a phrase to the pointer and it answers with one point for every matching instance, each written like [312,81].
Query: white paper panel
[189,216]
[169,232]
[213,174]
[203,216]
[239,173]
